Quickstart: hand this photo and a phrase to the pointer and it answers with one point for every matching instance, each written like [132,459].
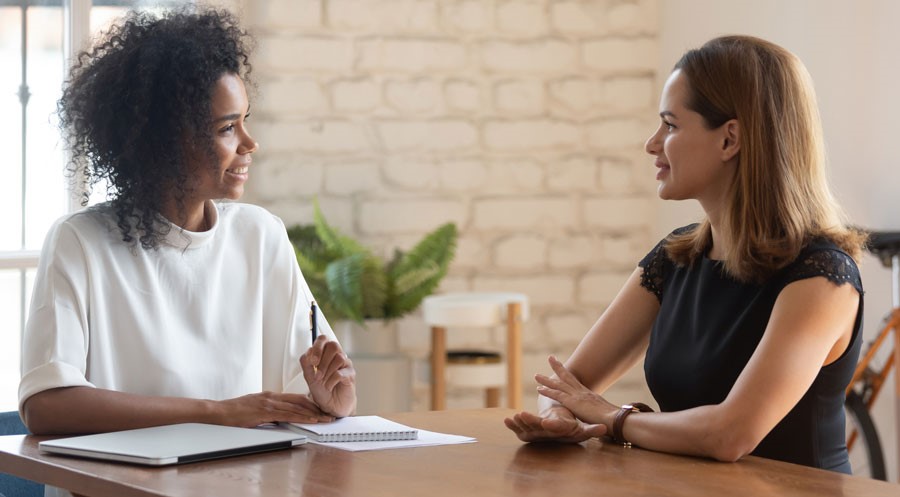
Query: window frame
[76,35]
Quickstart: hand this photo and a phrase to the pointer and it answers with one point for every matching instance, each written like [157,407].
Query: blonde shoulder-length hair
[780,198]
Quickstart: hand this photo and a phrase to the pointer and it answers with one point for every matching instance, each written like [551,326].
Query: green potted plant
[362,296]
[351,283]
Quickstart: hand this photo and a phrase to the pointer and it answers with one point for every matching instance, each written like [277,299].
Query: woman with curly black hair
[163,305]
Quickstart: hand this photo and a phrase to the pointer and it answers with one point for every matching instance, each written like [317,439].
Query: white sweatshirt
[212,315]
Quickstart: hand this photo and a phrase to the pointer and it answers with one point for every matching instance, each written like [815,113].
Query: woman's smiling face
[694,162]
[232,143]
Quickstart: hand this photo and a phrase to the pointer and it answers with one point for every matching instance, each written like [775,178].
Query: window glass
[103,17]
[45,194]
[11,129]
[46,184]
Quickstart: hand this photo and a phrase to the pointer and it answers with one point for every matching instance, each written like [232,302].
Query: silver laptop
[174,444]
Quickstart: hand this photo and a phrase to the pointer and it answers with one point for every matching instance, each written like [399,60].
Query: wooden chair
[474,368]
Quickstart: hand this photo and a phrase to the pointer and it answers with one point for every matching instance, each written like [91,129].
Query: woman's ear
[731,140]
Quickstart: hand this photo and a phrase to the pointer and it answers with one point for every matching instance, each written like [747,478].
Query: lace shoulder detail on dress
[836,266]
[653,274]
[655,265]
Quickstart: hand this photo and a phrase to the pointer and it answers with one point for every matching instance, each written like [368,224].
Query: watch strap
[619,420]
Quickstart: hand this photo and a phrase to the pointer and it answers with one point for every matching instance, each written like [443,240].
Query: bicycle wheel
[866,458]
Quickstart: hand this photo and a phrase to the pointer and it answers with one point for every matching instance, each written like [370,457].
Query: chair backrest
[11,424]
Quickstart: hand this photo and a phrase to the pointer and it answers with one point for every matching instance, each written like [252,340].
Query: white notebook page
[356,429]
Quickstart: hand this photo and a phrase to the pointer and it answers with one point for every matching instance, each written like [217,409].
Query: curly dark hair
[137,105]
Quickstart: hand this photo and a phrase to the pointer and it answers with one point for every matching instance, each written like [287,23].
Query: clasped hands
[580,414]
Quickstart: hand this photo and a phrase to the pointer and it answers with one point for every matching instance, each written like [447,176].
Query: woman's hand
[577,398]
[330,376]
[270,407]
[555,424]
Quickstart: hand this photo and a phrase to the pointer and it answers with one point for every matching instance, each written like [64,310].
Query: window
[35,41]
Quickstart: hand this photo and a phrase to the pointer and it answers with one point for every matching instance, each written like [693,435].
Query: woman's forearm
[701,431]
[90,410]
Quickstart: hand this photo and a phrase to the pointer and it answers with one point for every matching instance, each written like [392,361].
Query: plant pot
[383,374]
[376,338]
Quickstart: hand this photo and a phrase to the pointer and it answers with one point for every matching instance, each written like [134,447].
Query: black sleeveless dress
[708,327]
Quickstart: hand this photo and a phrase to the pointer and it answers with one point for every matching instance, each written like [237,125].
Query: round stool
[477,369]
[480,369]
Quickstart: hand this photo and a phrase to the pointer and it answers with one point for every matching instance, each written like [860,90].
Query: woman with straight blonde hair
[749,322]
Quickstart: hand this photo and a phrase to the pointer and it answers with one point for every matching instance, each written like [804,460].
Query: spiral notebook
[355,429]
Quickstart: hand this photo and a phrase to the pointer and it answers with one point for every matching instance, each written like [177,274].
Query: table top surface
[498,464]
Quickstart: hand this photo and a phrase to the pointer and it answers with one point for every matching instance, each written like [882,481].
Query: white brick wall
[404,16]
[541,56]
[621,54]
[523,121]
[452,135]
[533,134]
[412,55]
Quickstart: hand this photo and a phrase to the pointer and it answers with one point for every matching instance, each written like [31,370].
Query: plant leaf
[350,282]
[418,272]
[315,279]
[344,277]
[374,288]
[413,286]
[311,252]
[337,244]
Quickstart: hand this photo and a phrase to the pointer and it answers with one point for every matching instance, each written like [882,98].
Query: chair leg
[514,355]
[492,396]
[438,368]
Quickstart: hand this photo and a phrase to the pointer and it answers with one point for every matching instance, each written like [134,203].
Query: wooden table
[498,464]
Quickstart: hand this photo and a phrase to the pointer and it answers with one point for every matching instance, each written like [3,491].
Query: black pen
[313,328]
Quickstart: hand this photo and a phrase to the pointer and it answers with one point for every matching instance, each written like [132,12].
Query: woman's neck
[720,242]
[192,217]
[719,247]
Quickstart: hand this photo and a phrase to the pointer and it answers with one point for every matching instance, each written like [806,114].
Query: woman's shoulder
[253,222]
[86,222]
[683,230]
[823,257]
[656,265]
[88,230]
[238,212]
[658,253]
[659,249]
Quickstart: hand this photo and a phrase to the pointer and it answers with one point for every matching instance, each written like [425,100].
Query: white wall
[850,48]
[520,120]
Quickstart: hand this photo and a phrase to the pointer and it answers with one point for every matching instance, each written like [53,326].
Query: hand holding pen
[328,371]
[313,325]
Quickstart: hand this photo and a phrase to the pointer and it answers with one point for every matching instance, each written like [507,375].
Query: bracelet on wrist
[619,420]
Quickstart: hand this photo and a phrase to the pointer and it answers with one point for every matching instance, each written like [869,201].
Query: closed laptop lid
[173,444]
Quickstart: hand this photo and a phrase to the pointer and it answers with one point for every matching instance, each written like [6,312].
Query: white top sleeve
[298,298]
[56,338]
[213,315]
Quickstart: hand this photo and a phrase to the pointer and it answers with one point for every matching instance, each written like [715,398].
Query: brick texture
[523,121]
